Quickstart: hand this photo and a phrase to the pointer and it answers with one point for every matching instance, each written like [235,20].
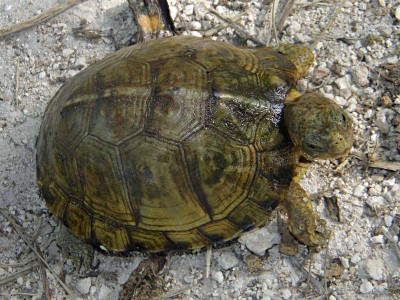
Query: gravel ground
[356,64]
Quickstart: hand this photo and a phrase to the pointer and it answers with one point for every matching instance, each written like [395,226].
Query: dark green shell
[174,143]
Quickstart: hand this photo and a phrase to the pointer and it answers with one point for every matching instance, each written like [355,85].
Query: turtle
[184,142]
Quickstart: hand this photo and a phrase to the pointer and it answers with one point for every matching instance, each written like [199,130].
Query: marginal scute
[111,237]
[248,215]
[56,199]
[77,221]
[141,239]
[219,230]
[191,239]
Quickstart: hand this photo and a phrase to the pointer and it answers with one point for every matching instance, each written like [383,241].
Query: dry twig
[332,19]
[44,16]
[33,248]
[239,29]
[222,26]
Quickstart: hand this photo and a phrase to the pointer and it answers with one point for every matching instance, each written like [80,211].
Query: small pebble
[218,276]
[228,260]
[366,287]
[293,28]
[392,60]
[358,190]
[104,293]
[355,259]
[388,220]
[343,82]
[286,294]
[189,9]
[375,268]
[378,239]
[67,52]
[20,280]
[173,11]
[397,13]
[195,25]
[345,262]
[188,278]
[360,75]
[258,241]
[83,285]
[386,101]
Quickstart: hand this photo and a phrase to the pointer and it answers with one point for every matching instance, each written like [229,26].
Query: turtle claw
[303,223]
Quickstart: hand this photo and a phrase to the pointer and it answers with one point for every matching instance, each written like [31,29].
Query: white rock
[67,52]
[188,10]
[343,82]
[375,268]
[397,13]
[345,262]
[286,294]
[368,114]
[42,75]
[383,118]
[104,292]
[360,75]
[228,260]
[83,285]
[218,276]
[388,220]
[293,28]
[173,11]
[340,100]
[188,278]
[378,239]
[195,25]
[366,287]
[80,62]
[258,241]
[392,60]
[358,190]
[355,259]
[20,280]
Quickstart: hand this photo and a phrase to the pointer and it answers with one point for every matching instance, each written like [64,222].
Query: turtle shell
[173,143]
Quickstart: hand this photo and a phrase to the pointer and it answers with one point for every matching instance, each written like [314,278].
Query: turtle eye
[311,146]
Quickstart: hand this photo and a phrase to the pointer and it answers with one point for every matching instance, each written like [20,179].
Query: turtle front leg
[303,223]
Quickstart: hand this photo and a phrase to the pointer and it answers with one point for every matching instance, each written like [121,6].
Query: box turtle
[181,142]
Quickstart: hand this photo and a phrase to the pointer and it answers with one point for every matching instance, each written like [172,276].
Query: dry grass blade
[285,13]
[311,280]
[32,247]
[42,268]
[173,294]
[208,260]
[17,84]
[239,29]
[332,19]
[44,16]
[274,9]
[386,165]
[20,273]
[220,27]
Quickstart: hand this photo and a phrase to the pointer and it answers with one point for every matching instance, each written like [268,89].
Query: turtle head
[318,127]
